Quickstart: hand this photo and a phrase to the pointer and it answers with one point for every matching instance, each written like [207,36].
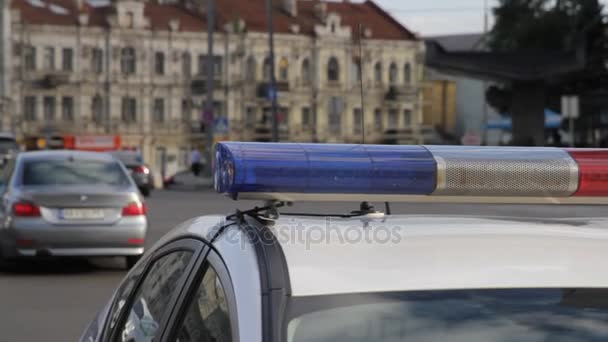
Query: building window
[335,115]
[67,108]
[129,110]
[29,58]
[407,118]
[356,72]
[283,118]
[333,70]
[250,69]
[158,110]
[97,109]
[378,72]
[392,74]
[186,110]
[97,61]
[159,63]
[306,72]
[49,58]
[250,117]
[186,64]
[393,118]
[357,120]
[306,119]
[67,59]
[217,66]
[130,20]
[128,65]
[407,73]
[378,124]
[30,108]
[48,105]
[283,69]
[267,69]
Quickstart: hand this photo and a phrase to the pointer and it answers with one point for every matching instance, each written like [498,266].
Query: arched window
[250,69]
[128,63]
[267,68]
[378,72]
[306,74]
[407,73]
[392,73]
[186,64]
[333,70]
[283,69]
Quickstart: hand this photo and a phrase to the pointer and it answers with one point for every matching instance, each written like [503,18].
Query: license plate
[82,214]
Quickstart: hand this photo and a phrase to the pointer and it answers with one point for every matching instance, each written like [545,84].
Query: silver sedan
[69,203]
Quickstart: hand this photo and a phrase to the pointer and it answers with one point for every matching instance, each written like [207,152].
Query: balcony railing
[400,93]
[263,88]
[198,85]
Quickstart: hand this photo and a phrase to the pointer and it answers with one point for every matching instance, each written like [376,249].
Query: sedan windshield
[73,172]
[523,315]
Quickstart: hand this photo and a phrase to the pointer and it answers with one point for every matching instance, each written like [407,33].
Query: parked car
[70,203]
[8,144]
[139,170]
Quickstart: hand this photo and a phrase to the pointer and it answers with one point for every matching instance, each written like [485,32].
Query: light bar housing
[342,172]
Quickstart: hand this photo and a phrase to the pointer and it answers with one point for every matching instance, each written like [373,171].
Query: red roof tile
[368,14]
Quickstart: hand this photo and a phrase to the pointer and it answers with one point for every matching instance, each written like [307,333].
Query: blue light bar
[323,169]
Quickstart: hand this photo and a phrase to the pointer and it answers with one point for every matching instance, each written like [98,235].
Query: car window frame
[213,259]
[187,244]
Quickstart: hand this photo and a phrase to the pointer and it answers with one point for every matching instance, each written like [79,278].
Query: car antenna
[360,67]
[387,208]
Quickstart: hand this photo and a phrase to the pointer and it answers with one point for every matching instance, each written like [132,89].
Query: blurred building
[455,103]
[137,69]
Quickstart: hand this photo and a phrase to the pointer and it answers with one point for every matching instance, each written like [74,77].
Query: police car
[267,275]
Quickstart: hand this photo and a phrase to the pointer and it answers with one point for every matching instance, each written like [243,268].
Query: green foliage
[544,24]
[555,25]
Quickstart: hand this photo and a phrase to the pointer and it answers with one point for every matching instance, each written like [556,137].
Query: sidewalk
[186,181]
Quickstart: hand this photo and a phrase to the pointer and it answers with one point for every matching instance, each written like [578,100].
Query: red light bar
[593,171]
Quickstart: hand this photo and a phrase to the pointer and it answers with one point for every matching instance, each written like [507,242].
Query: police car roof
[327,255]
[411,253]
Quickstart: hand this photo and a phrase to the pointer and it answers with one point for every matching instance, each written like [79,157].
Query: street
[54,300]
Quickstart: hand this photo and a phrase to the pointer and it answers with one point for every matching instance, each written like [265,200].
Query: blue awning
[553,120]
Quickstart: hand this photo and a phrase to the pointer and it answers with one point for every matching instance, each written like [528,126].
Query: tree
[556,25]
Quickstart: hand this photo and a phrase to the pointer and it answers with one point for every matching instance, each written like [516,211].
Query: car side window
[207,317]
[154,297]
[121,297]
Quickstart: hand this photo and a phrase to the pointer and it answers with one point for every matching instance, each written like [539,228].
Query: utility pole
[208,115]
[272,91]
[5,47]
[485,84]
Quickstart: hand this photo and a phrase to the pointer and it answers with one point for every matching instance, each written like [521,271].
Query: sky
[437,17]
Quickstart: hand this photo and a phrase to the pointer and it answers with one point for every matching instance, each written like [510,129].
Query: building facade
[138,69]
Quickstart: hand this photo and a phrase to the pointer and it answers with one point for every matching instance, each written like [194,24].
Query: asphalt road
[54,300]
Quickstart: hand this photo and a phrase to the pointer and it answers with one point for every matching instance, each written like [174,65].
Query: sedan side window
[207,317]
[154,297]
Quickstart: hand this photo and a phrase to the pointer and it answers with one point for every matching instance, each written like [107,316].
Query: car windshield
[129,158]
[523,315]
[73,172]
